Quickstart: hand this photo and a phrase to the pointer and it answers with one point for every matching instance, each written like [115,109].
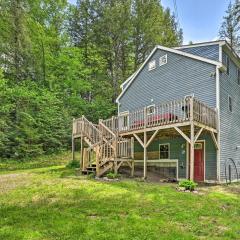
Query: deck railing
[111,146]
[90,130]
[177,111]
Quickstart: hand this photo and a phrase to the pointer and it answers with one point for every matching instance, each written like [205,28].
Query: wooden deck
[112,139]
[177,112]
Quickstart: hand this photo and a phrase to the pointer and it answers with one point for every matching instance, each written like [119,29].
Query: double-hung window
[164,151]
[151,109]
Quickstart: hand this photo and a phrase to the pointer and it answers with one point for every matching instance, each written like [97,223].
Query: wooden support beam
[132,147]
[192,153]
[214,140]
[183,134]
[81,153]
[97,160]
[145,156]
[73,148]
[152,137]
[198,134]
[132,169]
[139,140]
[187,160]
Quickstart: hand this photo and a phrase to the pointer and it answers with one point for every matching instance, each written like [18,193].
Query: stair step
[91,168]
[86,172]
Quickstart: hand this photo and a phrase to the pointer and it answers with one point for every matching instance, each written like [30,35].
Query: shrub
[73,164]
[112,175]
[188,185]
[91,176]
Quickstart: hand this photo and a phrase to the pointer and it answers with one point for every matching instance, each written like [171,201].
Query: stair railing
[91,131]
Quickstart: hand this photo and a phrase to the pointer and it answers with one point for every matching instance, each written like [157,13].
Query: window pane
[238,76]
[152,65]
[150,110]
[227,63]
[162,60]
[230,104]
[125,121]
[164,151]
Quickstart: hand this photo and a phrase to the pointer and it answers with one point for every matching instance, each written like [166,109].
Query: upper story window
[227,64]
[150,109]
[238,76]
[151,65]
[163,60]
[230,107]
[164,151]
[125,119]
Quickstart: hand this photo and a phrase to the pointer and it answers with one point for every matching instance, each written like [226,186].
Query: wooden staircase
[110,149]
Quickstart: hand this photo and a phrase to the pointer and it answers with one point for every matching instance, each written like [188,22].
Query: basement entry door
[199,161]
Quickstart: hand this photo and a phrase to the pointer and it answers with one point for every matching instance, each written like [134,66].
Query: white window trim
[150,69]
[152,105]
[123,114]
[161,64]
[229,103]
[168,150]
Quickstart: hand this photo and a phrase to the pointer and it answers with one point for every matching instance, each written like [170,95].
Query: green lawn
[53,203]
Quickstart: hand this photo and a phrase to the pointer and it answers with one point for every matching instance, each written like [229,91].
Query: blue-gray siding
[210,158]
[229,121]
[178,151]
[210,51]
[181,76]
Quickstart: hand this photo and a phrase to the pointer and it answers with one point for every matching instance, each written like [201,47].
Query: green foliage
[230,27]
[38,162]
[188,185]
[34,121]
[91,176]
[60,61]
[112,175]
[73,164]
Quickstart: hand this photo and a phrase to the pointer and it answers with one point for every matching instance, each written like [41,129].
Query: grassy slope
[52,203]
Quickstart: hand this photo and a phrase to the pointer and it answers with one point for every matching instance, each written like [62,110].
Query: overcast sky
[199,19]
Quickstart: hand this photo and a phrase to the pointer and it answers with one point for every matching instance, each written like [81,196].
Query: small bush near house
[73,164]
[91,176]
[112,175]
[188,185]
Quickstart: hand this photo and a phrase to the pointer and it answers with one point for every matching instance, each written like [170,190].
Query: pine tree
[230,28]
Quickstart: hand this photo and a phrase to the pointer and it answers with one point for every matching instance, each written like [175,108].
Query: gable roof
[189,55]
[201,44]
[221,43]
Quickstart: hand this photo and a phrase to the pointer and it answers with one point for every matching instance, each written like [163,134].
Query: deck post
[132,169]
[73,142]
[192,153]
[73,149]
[81,153]
[192,138]
[145,156]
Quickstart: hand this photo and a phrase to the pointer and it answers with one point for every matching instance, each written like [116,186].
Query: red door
[199,162]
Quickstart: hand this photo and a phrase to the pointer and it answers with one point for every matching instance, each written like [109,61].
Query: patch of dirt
[12,181]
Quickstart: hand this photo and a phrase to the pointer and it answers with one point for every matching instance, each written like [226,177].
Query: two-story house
[178,114]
